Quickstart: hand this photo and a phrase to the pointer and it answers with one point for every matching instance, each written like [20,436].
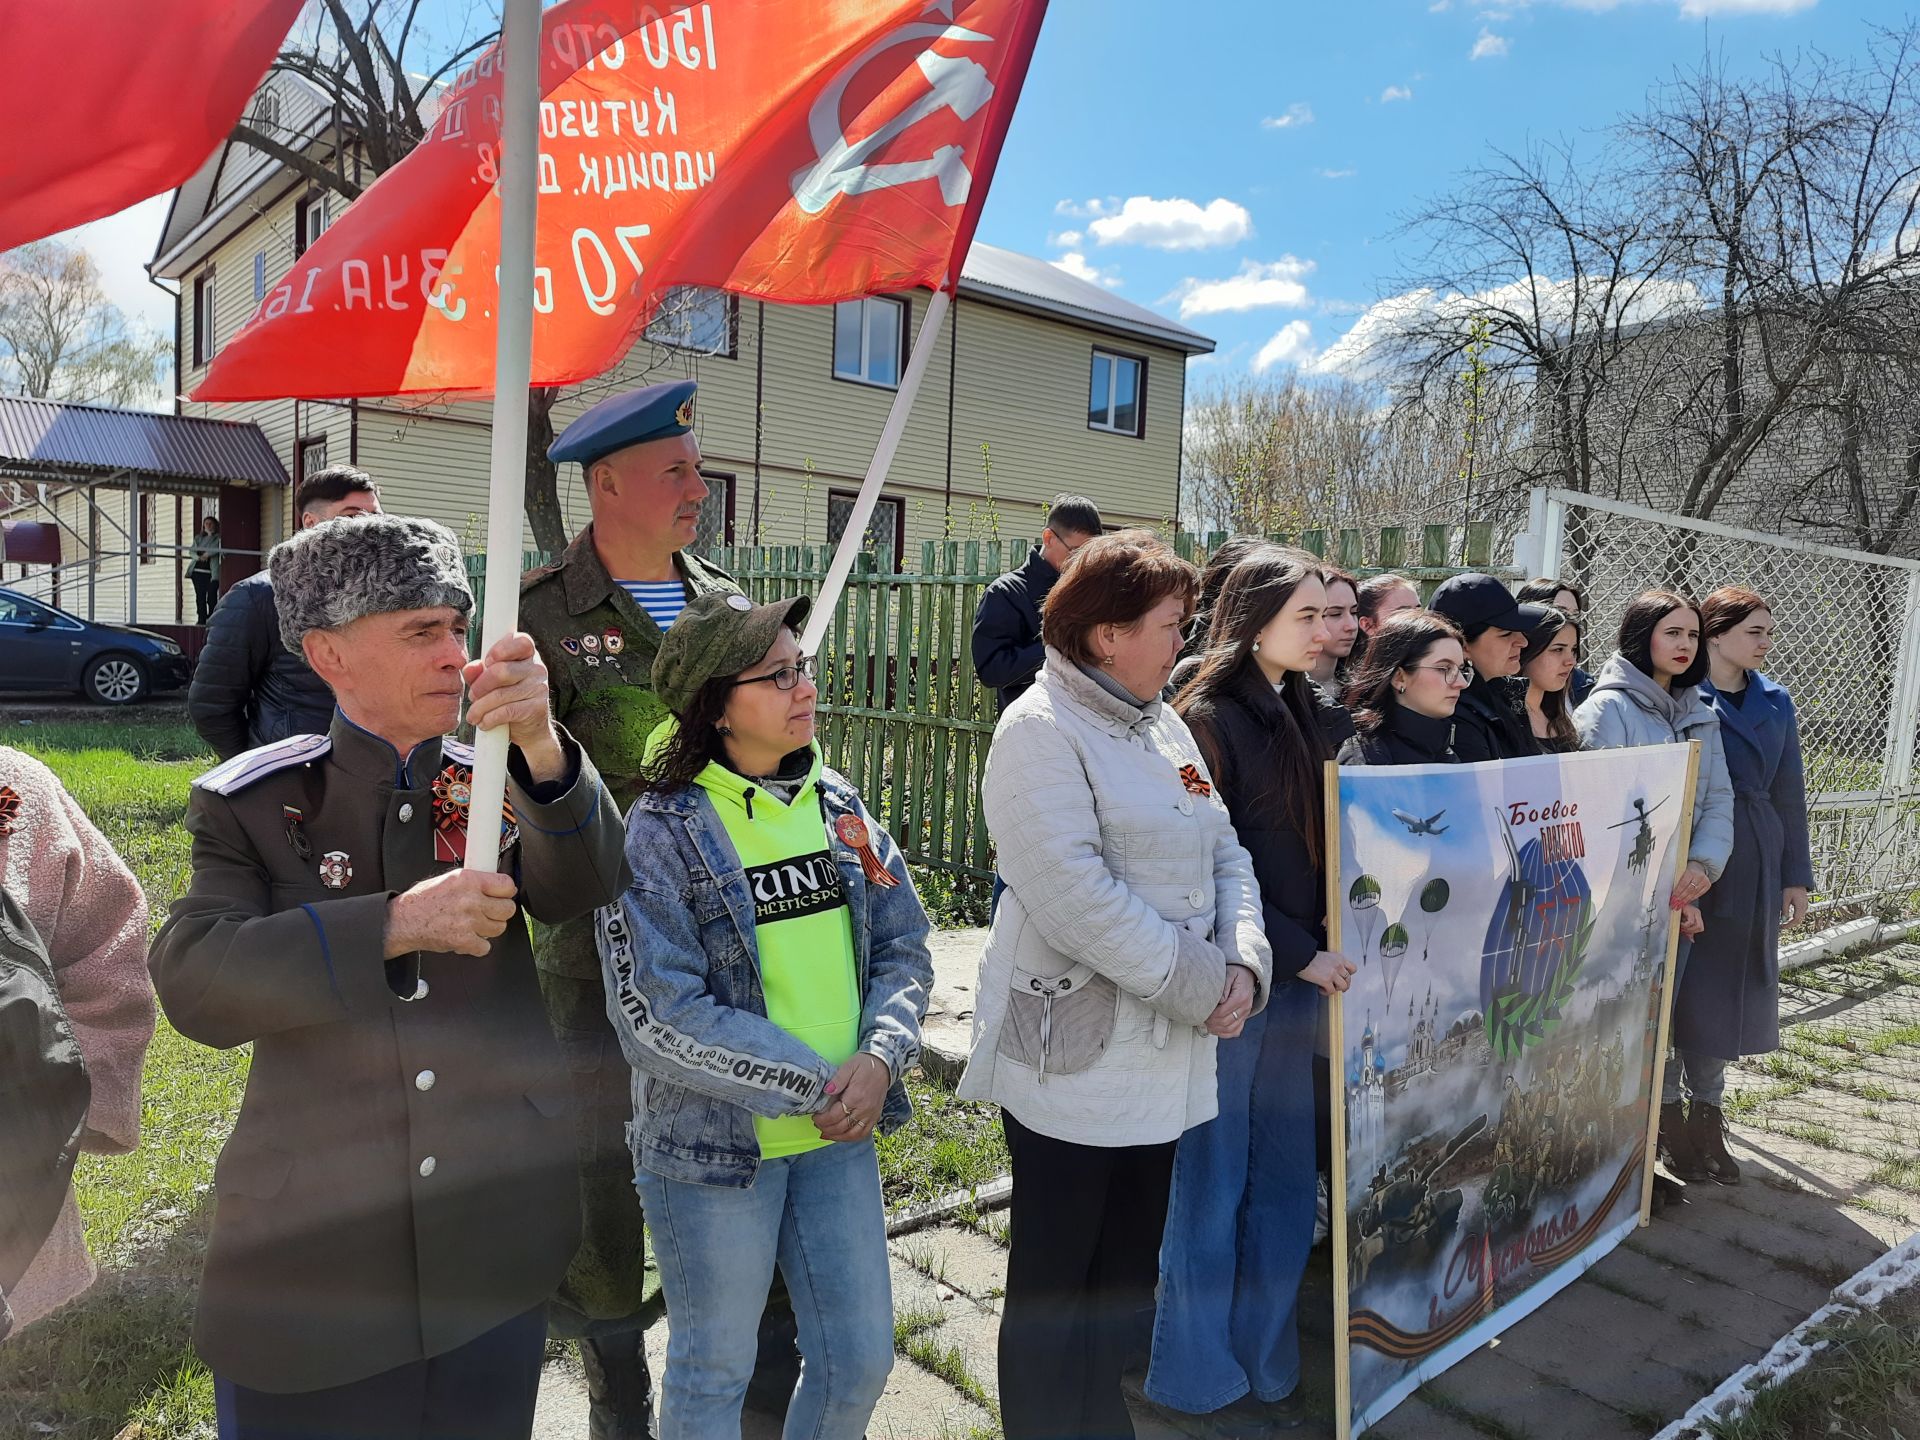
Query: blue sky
[1164,149]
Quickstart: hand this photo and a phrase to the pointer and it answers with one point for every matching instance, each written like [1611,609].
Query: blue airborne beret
[653,412]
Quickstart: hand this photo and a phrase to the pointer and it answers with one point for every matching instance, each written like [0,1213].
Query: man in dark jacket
[399,1197]
[1491,720]
[1007,652]
[248,689]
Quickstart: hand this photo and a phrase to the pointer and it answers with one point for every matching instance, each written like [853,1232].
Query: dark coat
[1579,686]
[1007,652]
[248,689]
[1237,733]
[402,1177]
[1728,1001]
[1336,721]
[1403,737]
[1491,721]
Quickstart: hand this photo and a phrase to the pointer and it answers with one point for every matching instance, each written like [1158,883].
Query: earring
[1256,647]
[1107,661]
[722,728]
[1399,689]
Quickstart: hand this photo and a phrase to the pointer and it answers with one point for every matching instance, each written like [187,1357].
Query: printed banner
[1510,925]
[804,153]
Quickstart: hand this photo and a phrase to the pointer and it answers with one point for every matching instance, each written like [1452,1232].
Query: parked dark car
[42,648]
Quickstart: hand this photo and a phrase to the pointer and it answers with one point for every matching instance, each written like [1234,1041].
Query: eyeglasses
[1449,673]
[786,677]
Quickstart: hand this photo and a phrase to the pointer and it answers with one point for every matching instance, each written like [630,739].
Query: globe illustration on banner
[1535,947]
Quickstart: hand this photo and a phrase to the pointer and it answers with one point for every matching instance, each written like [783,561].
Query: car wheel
[114,680]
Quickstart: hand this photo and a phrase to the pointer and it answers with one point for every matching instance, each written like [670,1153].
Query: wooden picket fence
[902,714]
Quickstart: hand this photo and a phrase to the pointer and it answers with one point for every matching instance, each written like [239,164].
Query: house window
[309,222]
[886,529]
[311,459]
[203,318]
[716,514]
[259,276]
[869,337]
[266,111]
[1116,397]
[693,317]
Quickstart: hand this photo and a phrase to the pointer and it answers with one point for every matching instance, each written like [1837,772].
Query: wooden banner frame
[1682,842]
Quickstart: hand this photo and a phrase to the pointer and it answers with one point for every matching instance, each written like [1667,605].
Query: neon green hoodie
[802,927]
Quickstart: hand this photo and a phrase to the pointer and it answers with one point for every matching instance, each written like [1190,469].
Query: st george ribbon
[1498,1051]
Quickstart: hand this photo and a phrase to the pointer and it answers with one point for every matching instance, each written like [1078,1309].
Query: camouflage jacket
[598,646]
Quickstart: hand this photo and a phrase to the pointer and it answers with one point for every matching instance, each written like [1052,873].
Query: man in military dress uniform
[598,615]
[399,1196]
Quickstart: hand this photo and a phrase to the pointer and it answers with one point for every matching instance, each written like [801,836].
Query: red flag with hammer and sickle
[797,152]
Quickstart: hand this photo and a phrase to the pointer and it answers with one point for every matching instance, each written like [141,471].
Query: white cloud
[1172,224]
[1337,174]
[1701,9]
[1066,239]
[1395,92]
[1292,345]
[1075,264]
[1256,287]
[121,245]
[1297,114]
[1489,46]
[1439,7]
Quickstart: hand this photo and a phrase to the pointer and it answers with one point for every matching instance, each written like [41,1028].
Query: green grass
[949,1363]
[121,1354]
[910,1321]
[952,1144]
[1864,1386]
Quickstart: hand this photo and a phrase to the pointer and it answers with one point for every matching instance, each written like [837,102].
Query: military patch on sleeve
[230,777]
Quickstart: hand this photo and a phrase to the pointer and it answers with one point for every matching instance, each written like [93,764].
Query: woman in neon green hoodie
[766,974]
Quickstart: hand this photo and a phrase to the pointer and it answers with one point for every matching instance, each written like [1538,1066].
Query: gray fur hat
[331,574]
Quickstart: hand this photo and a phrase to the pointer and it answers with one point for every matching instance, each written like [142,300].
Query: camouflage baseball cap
[719,634]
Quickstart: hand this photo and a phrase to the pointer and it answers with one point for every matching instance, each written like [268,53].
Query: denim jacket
[685,995]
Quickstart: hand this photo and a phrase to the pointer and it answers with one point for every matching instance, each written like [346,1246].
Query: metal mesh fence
[1845,640]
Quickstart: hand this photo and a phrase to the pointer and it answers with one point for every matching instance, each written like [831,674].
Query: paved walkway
[1832,1181]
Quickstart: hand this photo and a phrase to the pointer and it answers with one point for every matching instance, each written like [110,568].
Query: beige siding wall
[1014,383]
[155,596]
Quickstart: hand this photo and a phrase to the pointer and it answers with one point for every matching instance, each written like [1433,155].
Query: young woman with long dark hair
[1547,664]
[1405,692]
[1648,693]
[1240,1220]
[1728,1003]
[1377,600]
[1571,601]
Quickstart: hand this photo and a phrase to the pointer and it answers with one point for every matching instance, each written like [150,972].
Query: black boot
[1676,1143]
[619,1390]
[1707,1132]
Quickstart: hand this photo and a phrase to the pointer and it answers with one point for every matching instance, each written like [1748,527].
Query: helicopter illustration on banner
[1642,851]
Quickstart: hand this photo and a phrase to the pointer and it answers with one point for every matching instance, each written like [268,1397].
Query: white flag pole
[854,536]
[512,377]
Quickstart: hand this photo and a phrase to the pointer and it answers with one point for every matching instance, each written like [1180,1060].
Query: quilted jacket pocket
[1059,1024]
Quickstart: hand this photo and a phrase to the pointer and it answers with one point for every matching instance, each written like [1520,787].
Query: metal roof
[1026,283]
[44,440]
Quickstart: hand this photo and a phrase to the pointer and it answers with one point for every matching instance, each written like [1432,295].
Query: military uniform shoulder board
[230,777]
[458,751]
[533,577]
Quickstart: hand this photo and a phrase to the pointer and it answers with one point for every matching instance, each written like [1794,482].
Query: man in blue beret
[598,614]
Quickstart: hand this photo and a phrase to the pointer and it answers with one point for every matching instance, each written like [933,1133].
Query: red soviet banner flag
[109,101]
[805,152]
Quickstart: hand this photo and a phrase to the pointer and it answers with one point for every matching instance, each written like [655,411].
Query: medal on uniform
[336,869]
[296,834]
[591,659]
[615,641]
[590,643]
[9,808]
[852,831]
[452,798]
[570,645]
[1196,783]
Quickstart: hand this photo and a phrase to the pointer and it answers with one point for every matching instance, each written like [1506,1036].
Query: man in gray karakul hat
[399,1196]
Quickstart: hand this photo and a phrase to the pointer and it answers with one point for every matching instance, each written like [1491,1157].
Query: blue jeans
[819,1216]
[1706,1078]
[1240,1222]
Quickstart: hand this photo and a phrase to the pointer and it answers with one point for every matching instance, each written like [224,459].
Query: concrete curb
[996,1194]
[1862,934]
[1896,1271]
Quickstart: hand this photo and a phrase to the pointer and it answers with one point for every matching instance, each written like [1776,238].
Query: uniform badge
[739,602]
[9,808]
[294,820]
[684,415]
[336,869]
[615,641]
[590,644]
[852,831]
[570,645]
[591,659]
[1196,783]
[452,798]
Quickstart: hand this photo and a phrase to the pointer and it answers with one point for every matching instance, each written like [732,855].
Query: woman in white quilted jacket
[1129,938]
